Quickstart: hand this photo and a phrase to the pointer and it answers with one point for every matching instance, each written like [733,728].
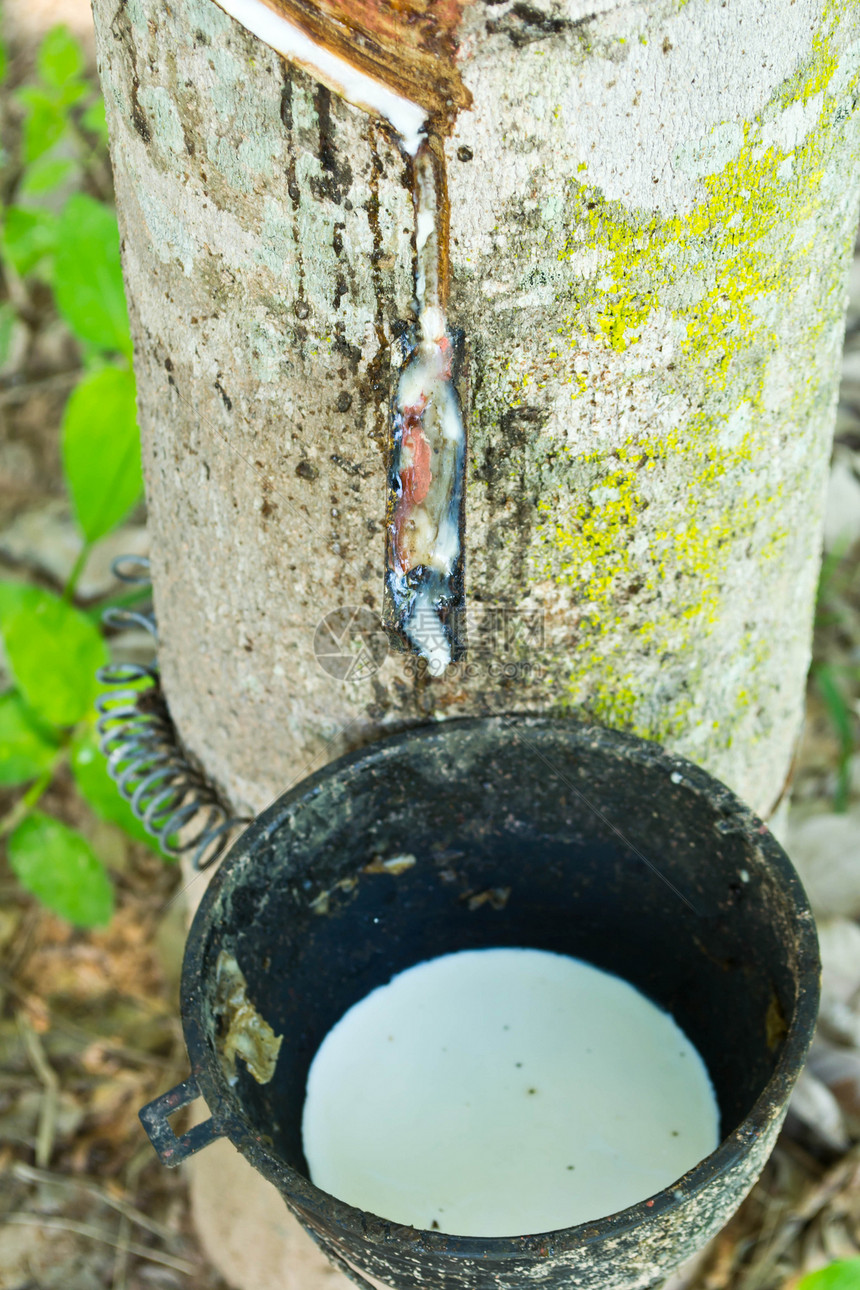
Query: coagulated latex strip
[424,573]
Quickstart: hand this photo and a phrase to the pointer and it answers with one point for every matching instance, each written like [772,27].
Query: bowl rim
[328,1211]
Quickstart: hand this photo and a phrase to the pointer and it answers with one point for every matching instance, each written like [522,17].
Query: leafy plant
[61,868]
[59,231]
[101,454]
[844,1275]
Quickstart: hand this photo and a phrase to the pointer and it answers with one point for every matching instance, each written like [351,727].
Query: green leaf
[27,748]
[95,120]
[72,92]
[60,867]
[53,651]
[45,122]
[89,767]
[4,62]
[88,277]
[60,58]
[44,176]
[28,237]
[101,450]
[844,1275]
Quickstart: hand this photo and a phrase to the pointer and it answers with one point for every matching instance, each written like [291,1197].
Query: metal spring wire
[165,789]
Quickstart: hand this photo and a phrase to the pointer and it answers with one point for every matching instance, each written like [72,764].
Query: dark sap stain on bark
[122,31]
[293,190]
[138,116]
[341,285]
[322,103]
[336,178]
[523,24]
[287,119]
[374,386]
[345,283]
[351,353]
[225,398]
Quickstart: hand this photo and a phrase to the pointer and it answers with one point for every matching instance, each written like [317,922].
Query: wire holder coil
[163,784]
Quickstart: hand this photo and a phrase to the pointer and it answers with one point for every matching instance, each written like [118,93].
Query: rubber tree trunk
[651,218]
[651,215]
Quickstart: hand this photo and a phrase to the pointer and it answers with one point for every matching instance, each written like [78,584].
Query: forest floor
[89,1021]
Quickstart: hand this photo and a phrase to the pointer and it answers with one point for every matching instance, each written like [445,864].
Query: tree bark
[651,212]
[651,215]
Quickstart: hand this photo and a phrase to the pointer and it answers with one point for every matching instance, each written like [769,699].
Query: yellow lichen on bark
[722,281]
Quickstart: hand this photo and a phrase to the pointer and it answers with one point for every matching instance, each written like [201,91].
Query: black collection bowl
[525,831]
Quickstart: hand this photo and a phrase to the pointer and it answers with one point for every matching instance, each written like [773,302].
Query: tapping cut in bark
[360,81]
[409,45]
[396,63]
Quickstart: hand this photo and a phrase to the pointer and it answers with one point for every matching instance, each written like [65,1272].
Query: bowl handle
[170,1149]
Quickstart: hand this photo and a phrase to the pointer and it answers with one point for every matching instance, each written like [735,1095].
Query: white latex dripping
[362,91]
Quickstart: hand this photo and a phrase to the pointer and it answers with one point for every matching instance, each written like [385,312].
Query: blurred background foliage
[59,245]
